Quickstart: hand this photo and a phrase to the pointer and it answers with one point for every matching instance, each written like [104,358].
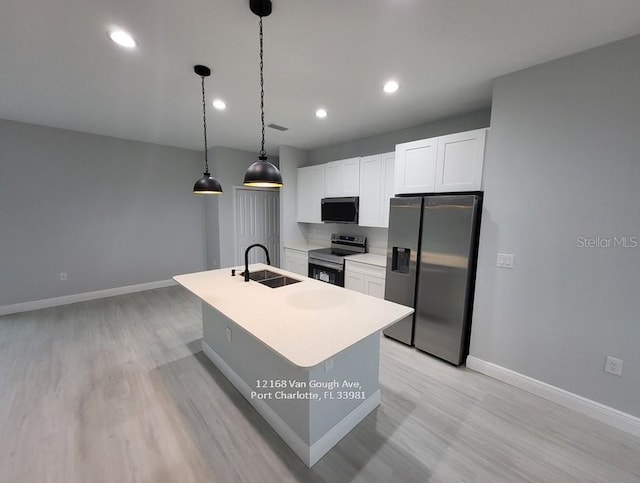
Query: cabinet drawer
[297,255]
[365,269]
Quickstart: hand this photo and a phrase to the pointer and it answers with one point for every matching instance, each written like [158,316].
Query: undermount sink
[259,275]
[271,279]
[279,281]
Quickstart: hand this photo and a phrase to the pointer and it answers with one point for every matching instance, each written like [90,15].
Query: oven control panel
[357,240]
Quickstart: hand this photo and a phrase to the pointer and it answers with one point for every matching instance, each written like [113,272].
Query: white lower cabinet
[364,278]
[296,261]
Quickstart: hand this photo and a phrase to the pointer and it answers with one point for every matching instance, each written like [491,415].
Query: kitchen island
[306,355]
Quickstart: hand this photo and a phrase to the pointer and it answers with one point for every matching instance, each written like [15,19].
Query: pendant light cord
[263,153]
[204,123]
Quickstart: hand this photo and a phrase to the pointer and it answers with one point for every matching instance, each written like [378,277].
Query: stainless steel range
[327,264]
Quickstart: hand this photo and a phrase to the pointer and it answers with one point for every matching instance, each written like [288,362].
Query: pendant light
[205,185]
[262,173]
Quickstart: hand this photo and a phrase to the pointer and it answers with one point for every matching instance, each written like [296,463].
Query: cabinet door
[364,278]
[342,178]
[310,191]
[354,281]
[374,286]
[333,180]
[371,191]
[415,166]
[388,167]
[296,261]
[460,160]
[351,177]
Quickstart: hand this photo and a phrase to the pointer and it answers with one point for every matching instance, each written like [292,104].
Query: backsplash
[320,234]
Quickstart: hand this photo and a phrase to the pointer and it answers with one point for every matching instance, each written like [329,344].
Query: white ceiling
[57,67]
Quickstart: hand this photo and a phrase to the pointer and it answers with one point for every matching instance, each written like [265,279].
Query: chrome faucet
[246,259]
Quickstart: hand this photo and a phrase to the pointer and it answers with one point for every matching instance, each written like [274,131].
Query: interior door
[257,221]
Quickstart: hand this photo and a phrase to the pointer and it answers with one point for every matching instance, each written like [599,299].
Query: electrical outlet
[613,366]
[63,276]
[229,334]
[328,365]
[505,260]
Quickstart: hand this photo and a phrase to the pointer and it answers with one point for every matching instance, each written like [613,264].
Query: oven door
[332,273]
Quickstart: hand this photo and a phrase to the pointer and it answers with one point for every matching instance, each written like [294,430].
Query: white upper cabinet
[310,191]
[460,160]
[415,170]
[342,178]
[446,163]
[388,166]
[376,188]
[436,165]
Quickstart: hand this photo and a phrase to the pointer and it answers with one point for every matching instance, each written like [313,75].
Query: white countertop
[369,258]
[302,246]
[306,323]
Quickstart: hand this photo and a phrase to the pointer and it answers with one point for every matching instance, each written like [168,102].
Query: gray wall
[563,161]
[228,166]
[212,228]
[384,143]
[290,231]
[106,211]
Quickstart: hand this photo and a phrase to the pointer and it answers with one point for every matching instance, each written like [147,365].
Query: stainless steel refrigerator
[431,262]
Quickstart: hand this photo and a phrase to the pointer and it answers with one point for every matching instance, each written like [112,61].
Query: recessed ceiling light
[321,113]
[390,87]
[122,38]
[219,104]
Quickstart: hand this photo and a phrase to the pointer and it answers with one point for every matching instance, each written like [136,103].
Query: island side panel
[252,361]
[357,365]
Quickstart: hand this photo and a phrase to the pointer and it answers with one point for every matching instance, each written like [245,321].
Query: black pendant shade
[206,185]
[262,174]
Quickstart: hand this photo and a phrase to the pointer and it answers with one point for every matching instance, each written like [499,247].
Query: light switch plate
[613,366]
[505,260]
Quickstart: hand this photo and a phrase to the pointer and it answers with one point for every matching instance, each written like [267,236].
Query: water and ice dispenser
[400,260]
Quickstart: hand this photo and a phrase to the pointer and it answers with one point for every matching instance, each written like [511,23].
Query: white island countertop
[306,322]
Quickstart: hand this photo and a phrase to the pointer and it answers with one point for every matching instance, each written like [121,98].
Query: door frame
[235,219]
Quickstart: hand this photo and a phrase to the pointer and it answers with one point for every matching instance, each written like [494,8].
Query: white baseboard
[309,454]
[340,430]
[608,415]
[82,297]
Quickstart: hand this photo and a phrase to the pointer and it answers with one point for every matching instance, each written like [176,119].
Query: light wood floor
[117,390]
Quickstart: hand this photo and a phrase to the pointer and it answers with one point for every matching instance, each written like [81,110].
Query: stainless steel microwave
[340,210]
